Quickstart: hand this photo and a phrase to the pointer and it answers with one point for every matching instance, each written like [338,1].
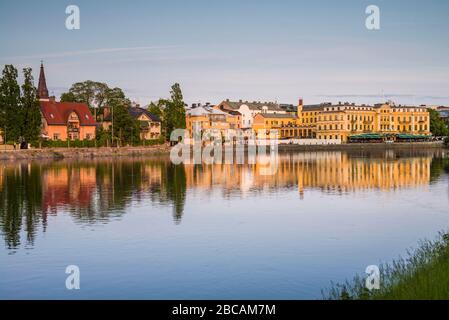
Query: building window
[56,136]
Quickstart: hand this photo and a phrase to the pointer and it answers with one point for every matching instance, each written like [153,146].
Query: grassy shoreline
[422,275]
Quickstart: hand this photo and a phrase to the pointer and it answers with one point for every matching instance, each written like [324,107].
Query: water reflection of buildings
[340,172]
[99,190]
[67,186]
[322,170]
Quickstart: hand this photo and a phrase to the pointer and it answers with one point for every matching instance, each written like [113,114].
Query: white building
[249,109]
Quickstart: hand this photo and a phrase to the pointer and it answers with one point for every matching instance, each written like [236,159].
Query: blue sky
[253,50]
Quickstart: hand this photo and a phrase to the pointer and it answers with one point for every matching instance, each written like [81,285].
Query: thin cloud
[368,95]
[89,52]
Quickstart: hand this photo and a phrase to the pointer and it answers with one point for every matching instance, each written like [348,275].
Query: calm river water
[143,228]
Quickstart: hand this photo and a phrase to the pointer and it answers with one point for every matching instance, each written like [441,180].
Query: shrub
[68,144]
[101,142]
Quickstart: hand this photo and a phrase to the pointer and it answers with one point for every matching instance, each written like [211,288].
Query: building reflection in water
[99,190]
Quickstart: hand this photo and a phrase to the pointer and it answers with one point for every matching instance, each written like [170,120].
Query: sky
[265,50]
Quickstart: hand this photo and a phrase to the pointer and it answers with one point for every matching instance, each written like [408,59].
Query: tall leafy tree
[11,117]
[31,116]
[69,97]
[175,113]
[92,93]
[83,92]
[437,125]
[126,128]
[155,109]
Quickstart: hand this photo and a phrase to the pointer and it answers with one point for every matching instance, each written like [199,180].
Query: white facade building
[249,109]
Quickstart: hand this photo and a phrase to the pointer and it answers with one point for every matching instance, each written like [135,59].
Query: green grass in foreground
[423,275]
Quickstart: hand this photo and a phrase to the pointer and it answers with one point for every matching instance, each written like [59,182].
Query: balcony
[73,129]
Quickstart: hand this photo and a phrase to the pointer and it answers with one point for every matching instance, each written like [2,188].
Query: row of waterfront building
[325,121]
[340,122]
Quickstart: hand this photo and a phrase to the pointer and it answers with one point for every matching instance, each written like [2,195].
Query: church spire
[42,90]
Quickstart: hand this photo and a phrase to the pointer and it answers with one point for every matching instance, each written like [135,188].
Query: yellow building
[286,124]
[248,110]
[308,117]
[345,120]
[209,118]
[150,124]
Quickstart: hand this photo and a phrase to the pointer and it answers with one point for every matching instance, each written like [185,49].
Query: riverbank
[88,153]
[82,153]
[423,275]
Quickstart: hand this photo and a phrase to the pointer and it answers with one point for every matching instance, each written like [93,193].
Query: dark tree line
[20,118]
[118,184]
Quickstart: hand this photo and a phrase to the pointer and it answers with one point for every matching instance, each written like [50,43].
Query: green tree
[83,92]
[31,116]
[115,96]
[175,113]
[103,137]
[11,117]
[126,128]
[69,97]
[92,93]
[155,109]
[437,125]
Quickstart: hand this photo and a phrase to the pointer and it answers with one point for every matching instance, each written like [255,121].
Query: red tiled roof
[57,113]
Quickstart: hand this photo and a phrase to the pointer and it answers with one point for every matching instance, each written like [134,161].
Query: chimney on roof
[42,91]
[227,100]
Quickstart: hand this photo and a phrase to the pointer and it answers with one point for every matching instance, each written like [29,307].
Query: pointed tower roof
[42,90]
